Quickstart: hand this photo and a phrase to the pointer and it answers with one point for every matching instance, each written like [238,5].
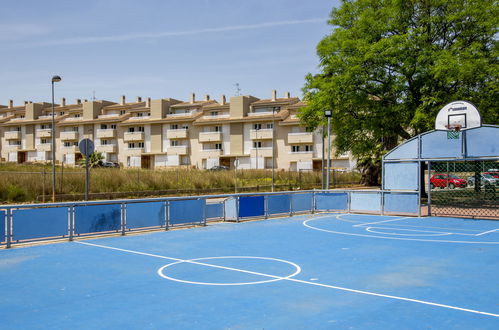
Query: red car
[443,180]
[494,173]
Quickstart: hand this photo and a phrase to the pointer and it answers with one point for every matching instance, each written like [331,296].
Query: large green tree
[388,66]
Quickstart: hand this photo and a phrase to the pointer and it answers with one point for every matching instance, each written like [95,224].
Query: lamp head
[56,79]
[328,113]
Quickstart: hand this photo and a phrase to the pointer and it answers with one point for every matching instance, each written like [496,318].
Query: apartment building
[245,132]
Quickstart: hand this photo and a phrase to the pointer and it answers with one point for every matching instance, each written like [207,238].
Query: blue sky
[154,48]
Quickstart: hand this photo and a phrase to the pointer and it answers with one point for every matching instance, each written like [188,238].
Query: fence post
[237,209]
[349,201]
[314,202]
[71,223]
[8,227]
[167,214]
[382,203]
[291,204]
[43,186]
[123,218]
[266,206]
[204,211]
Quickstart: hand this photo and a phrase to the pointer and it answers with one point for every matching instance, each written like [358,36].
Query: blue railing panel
[214,210]
[2,227]
[302,202]
[145,215]
[97,218]
[251,206]
[331,201]
[230,208]
[278,204]
[363,201]
[186,211]
[401,203]
[31,224]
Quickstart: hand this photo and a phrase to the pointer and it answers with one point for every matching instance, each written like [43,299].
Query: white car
[485,180]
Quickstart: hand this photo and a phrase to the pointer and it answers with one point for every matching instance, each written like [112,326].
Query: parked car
[109,164]
[219,168]
[443,180]
[494,172]
[485,180]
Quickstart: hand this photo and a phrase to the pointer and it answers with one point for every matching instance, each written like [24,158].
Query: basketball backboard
[458,115]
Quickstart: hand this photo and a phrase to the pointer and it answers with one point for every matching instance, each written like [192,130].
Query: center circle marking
[273,278]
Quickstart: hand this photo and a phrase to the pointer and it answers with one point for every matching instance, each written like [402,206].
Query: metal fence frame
[122,229]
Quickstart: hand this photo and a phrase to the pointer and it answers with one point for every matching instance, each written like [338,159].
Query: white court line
[442,233]
[304,282]
[373,230]
[487,232]
[383,221]
[305,223]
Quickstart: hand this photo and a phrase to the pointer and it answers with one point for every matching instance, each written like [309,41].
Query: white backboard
[460,113]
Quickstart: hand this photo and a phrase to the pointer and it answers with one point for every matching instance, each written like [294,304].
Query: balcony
[106,133]
[69,136]
[44,147]
[44,133]
[12,135]
[304,137]
[112,115]
[261,152]
[12,147]
[301,156]
[261,134]
[177,134]
[133,136]
[211,152]
[210,136]
[178,150]
[69,149]
[109,148]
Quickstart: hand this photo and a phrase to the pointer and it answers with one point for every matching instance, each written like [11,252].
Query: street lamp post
[328,114]
[273,147]
[54,79]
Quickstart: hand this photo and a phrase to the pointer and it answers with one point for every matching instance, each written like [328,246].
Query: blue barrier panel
[143,215]
[365,201]
[39,223]
[331,201]
[401,203]
[302,202]
[401,175]
[251,206]
[475,142]
[97,218]
[278,204]
[186,211]
[2,226]
[407,150]
[214,210]
[435,144]
[230,208]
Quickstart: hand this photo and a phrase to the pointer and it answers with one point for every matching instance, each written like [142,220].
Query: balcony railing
[112,115]
[178,150]
[69,149]
[177,134]
[302,137]
[110,148]
[44,147]
[70,135]
[261,134]
[133,136]
[44,132]
[261,152]
[262,113]
[12,135]
[106,133]
[210,136]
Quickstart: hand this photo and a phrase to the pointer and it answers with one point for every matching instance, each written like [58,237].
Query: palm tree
[94,159]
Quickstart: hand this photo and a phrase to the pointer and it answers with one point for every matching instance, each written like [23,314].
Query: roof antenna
[238,90]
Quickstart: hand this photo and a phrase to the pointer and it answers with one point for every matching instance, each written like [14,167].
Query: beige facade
[246,132]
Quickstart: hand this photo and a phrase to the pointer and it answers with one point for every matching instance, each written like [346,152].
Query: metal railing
[70,220]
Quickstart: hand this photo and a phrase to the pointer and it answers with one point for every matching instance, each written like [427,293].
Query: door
[145,162]
[21,157]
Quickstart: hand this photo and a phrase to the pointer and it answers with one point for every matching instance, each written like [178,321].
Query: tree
[95,159]
[388,66]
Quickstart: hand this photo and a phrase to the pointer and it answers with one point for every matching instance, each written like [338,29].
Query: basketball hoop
[454,127]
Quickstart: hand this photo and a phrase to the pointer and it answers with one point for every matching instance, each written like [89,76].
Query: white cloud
[156,35]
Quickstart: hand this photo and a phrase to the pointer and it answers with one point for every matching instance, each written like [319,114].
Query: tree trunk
[370,174]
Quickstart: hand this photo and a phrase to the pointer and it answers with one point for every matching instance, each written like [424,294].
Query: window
[103,126]
[173,126]
[104,142]
[186,127]
[148,113]
[45,126]
[257,126]
[74,129]
[61,113]
[139,114]
[214,113]
[131,129]
[269,126]
[131,145]
[44,141]
[141,144]
[295,148]
[174,143]
[257,144]
[218,128]
[218,146]
[15,142]
[17,129]
[122,112]
[140,128]
[67,144]
[113,126]
[77,115]
[309,148]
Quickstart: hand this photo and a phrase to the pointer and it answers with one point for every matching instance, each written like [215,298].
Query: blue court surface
[322,271]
